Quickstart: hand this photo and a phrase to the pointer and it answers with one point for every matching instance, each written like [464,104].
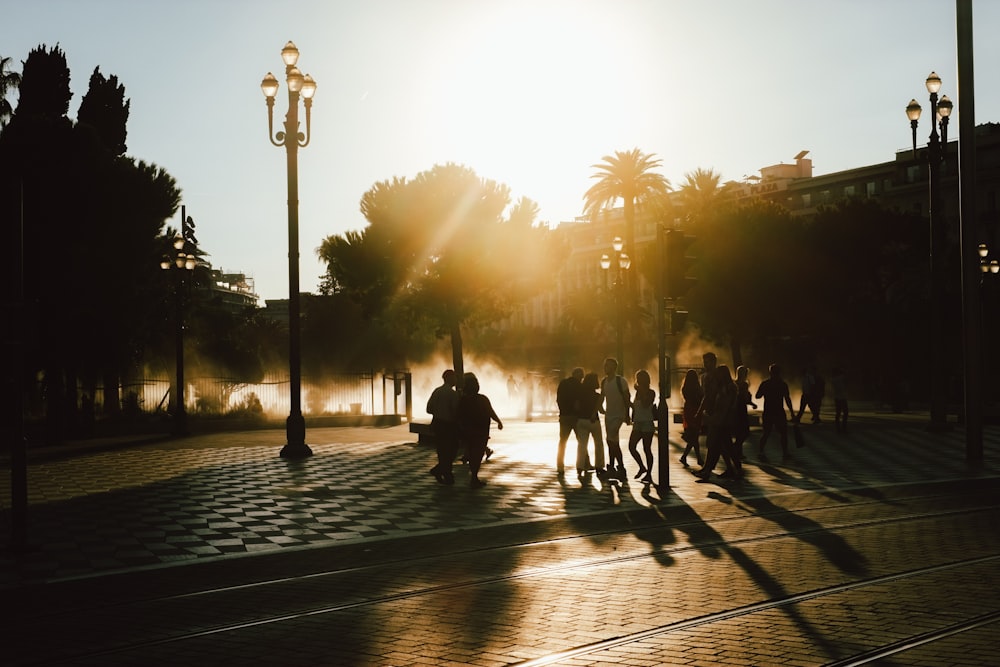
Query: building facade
[901,184]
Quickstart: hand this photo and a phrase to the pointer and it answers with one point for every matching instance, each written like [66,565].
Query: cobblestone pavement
[229,494]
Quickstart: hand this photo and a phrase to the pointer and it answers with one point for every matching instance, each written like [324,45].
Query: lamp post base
[295,430]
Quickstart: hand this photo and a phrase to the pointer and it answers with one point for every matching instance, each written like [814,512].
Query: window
[807,200]
[848,190]
[870,188]
[912,173]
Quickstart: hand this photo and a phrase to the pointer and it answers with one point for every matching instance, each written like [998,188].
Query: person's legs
[613,426]
[595,431]
[782,427]
[474,450]
[767,424]
[647,446]
[565,428]
[714,445]
[803,404]
[582,432]
[633,442]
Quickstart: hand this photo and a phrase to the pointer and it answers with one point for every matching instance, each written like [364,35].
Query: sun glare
[518,84]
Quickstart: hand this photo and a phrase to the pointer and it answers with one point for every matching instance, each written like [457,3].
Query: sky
[530,93]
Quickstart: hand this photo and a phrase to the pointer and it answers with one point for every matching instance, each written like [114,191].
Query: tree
[438,251]
[701,195]
[629,176]
[9,81]
[90,218]
[105,110]
[751,268]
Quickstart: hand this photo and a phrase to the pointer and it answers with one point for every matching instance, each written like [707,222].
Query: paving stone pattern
[221,495]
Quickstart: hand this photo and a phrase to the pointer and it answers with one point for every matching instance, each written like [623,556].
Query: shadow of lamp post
[181,264]
[936,148]
[291,140]
[622,263]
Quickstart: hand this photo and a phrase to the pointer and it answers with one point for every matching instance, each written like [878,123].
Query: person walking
[617,404]
[588,424]
[693,395]
[475,414]
[741,423]
[812,395]
[838,382]
[643,426]
[719,417]
[442,406]
[568,394]
[709,362]
[774,391]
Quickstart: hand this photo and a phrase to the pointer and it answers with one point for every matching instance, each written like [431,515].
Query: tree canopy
[90,218]
[441,250]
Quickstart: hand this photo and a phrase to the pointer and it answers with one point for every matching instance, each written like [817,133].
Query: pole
[180,410]
[295,425]
[662,412]
[620,338]
[971,275]
[938,242]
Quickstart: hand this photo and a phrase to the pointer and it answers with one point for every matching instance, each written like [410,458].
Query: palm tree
[629,176]
[701,193]
[9,80]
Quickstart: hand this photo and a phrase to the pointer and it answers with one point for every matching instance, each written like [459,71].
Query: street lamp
[936,148]
[622,263]
[181,263]
[987,265]
[291,139]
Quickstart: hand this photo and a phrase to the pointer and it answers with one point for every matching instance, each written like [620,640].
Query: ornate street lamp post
[180,264]
[622,263]
[291,139]
[987,265]
[936,148]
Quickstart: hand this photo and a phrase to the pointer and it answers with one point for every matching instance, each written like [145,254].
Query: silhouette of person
[568,394]
[774,391]
[475,414]
[741,423]
[511,387]
[588,424]
[643,426]
[812,394]
[617,402]
[693,395]
[442,406]
[719,417]
[709,361]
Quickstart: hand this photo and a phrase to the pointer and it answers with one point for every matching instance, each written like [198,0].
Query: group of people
[583,397]
[715,404]
[715,407]
[460,418]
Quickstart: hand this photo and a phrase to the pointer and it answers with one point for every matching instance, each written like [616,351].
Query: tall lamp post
[180,264]
[987,265]
[936,148]
[621,262]
[291,140]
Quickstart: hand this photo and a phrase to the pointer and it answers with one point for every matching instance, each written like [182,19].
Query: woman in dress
[643,425]
[693,394]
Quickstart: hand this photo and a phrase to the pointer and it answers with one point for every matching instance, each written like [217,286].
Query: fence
[338,394]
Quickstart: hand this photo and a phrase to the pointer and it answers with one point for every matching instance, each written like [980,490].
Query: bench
[425,436]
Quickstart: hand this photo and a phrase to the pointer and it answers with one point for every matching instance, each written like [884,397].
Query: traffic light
[678,264]
[187,230]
